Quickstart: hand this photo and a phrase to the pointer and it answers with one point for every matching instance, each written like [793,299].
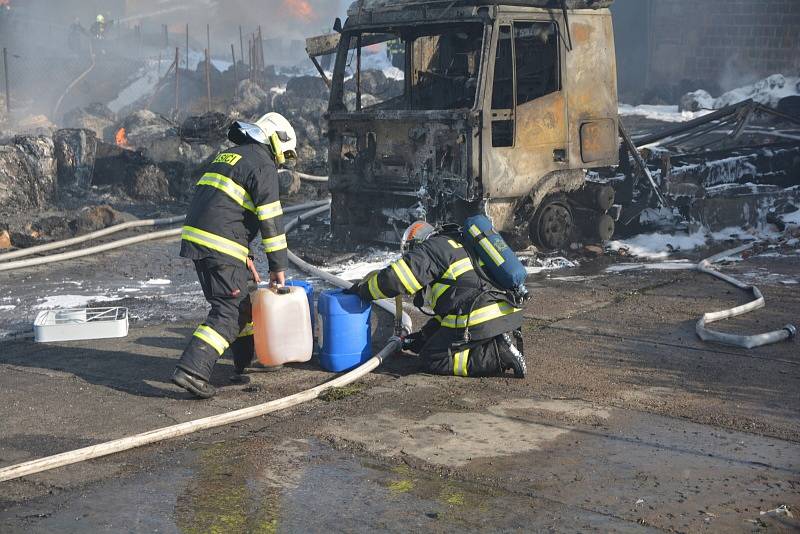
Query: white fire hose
[214,421]
[747,342]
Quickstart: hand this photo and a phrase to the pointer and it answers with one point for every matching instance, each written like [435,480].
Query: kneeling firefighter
[475,330]
[235,198]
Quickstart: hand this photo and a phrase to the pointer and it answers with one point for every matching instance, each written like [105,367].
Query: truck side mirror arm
[566,24]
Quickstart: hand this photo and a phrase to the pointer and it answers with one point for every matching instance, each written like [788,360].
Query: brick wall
[721,44]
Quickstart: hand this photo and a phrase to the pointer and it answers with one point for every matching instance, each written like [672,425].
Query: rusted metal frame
[764,109]
[695,133]
[690,125]
[321,71]
[637,158]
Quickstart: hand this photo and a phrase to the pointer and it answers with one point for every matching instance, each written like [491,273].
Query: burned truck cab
[501,110]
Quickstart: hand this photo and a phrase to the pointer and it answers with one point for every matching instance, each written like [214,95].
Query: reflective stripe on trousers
[210,336]
[460,360]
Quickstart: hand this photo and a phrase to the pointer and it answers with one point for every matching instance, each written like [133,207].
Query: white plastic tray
[80,323]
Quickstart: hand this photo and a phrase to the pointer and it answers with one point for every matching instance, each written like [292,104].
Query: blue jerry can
[346,332]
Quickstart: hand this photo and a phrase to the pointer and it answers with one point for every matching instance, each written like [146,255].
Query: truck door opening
[526,68]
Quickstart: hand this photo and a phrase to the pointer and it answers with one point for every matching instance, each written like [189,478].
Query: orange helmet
[418,232]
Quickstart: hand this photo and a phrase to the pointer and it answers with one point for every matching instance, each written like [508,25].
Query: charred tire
[594,226]
[552,225]
[605,227]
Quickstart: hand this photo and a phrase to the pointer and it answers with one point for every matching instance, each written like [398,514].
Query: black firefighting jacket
[235,198]
[457,294]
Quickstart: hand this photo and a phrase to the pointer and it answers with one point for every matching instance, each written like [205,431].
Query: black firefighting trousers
[227,289]
[443,354]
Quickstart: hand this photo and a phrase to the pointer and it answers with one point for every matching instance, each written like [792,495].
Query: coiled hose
[214,421]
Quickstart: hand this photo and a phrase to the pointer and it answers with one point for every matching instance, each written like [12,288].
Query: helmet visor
[252,131]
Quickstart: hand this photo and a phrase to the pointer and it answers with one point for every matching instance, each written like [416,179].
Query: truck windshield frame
[439,64]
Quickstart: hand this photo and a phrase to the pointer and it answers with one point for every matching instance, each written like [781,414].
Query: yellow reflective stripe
[458,268]
[481,315]
[460,360]
[455,270]
[210,336]
[374,289]
[247,330]
[273,244]
[407,278]
[269,211]
[228,157]
[437,290]
[487,245]
[215,242]
[454,244]
[236,192]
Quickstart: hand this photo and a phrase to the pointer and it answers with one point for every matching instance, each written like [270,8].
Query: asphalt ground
[627,422]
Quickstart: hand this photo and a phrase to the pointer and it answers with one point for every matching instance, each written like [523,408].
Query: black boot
[510,357]
[194,385]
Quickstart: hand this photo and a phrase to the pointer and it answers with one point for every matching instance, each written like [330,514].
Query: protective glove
[352,290]
[414,342]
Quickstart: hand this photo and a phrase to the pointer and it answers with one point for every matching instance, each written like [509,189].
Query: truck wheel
[552,225]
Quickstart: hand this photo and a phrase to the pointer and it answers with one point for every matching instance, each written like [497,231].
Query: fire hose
[214,421]
[114,244]
[747,342]
[304,176]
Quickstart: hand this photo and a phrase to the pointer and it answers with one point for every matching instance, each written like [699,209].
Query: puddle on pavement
[235,487]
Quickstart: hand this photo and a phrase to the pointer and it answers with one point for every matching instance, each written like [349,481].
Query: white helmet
[273,130]
[280,134]
[100,19]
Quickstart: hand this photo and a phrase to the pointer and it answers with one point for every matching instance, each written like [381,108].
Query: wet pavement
[626,423]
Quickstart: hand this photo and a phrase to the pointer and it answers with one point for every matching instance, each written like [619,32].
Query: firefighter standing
[235,199]
[438,264]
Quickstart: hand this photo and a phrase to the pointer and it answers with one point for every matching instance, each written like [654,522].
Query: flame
[121,138]
[5,3]
[300,9]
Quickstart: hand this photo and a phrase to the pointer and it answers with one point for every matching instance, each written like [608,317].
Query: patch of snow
[549,264]
[157,282]
[7,307]
[356,270]
[768,92]
[72,301]
[661,113]
[278,89]
[658,246]
[196,57]
[129,290]
[680,265]
[144,84]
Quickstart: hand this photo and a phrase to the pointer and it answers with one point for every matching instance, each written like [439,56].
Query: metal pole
[159,64]
[235,73]
[177,83]
[187,47]
[208,80]
[208,38]
[260,50]
[166,36]
[358,73]
[241,43]
[5,72]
